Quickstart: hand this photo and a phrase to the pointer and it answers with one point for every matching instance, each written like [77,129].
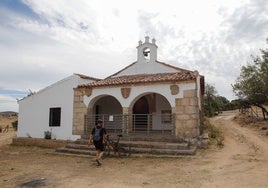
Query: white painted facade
[143,66]
[77,101]
[147,66]
[137,92]
[34,110]
[164,98]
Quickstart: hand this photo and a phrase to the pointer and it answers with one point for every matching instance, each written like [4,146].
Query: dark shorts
[99,145]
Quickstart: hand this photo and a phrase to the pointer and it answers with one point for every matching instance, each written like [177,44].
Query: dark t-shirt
[99,144]
[102,131]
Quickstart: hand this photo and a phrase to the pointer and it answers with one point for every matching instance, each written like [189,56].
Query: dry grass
[215,134]
[6,121]
[258,124]
[233,166]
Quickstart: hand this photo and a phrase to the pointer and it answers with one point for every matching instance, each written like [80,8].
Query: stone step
[133,151]
[80,146]
[153,151]
[154,145]
[76,151]
[135,147]
[141,144]
[140,138]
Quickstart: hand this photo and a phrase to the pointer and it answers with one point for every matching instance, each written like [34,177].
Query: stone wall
[187,115]
[79,112]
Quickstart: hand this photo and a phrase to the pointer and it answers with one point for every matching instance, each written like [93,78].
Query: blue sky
[42,42]
[18,6]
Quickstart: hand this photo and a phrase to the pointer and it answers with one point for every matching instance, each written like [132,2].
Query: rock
[205,136]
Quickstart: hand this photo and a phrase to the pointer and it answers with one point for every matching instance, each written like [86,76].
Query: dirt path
[243,162]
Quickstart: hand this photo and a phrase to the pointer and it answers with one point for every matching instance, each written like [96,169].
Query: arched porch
[147,114]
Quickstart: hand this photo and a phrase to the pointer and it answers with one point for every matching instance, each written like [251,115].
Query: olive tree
[252,84]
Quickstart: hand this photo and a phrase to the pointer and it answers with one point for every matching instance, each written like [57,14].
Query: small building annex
[146,98]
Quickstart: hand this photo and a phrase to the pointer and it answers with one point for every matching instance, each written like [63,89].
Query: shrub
[215,134]
[47,135]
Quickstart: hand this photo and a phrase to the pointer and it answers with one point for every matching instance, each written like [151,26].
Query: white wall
[153,52]
[146,68]
[34,110]
[137,91]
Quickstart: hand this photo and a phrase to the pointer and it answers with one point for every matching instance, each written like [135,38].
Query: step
[140,138]
[124,139]
[137,147]
[80,146]
[134,151]
[76,151]
[141,144]
[190,151]
[155,145]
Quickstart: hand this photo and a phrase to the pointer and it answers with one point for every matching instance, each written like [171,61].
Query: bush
[47,135]
[215,134]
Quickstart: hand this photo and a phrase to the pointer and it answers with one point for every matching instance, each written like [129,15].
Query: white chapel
[146,98]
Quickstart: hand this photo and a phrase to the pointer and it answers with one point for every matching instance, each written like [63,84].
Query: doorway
[140,114]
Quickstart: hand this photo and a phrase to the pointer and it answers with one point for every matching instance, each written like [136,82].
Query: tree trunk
[264,111]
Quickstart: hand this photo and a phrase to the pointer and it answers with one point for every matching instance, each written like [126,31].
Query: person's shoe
[98,162]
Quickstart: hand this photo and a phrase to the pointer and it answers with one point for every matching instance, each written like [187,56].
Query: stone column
[187,115]
[128,119]
[173,112]
[79,112]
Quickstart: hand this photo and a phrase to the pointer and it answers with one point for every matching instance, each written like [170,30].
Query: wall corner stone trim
[189,93]
[187,115]
[79,111]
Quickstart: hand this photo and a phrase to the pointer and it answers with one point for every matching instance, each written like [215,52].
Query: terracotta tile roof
[143,78]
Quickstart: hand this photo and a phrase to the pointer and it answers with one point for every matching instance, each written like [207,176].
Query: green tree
[252,84]
[214,103]
[210,103]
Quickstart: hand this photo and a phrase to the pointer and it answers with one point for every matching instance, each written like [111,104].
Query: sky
[42,41]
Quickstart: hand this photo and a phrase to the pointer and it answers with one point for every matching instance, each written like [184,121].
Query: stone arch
[105,104]
[149,96]
[147,110]
[107,108]
[141,106]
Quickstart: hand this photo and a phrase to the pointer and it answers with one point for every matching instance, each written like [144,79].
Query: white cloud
[8,103]
[214,37]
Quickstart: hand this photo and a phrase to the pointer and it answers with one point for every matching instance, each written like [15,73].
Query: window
[54,117]
[166,116]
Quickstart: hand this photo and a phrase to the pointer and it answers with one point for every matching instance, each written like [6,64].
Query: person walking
[98,134]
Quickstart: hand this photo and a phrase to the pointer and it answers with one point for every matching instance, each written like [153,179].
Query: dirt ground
[242,162]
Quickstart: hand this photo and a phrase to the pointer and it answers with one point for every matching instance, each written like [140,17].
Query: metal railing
[136,124]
